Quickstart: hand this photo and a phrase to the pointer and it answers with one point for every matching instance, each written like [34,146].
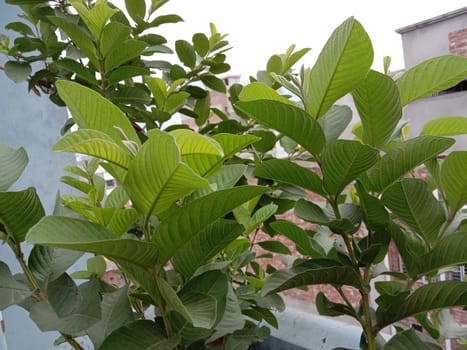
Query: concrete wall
[34,123]
[429,41]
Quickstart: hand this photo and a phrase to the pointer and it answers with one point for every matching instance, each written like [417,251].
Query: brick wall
[458,42]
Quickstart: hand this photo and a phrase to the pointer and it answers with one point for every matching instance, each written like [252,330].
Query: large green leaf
[157,177]
[139,335]
[430,76]
[11,291]
[200,153]
[124,52]
[116,312]
[260,91]
[285,171]
[95,18]
[112,35]
[315,271]
[428,297]
[47,263]
[90,110]
[378,103]
[94,143]
[75,234]
[453,178]
[232,144]
[79,37]
[412,201]
[446,126]
[80,70]
[191,219]
[409,340]
[202,247]
[12,164]
[335,121]
[19,211]
[342,64]
[289,120]
[374,214]
[451,250]
[404,157]
[342,161]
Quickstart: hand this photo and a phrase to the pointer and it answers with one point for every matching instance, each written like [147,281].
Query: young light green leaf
[260,91]
[453,177]
[201,44]
[113,34]
[94,143]
[194,217]
[18,71]
[404,157]
[95,18]
[430,76]
[86,105]
[232,144]
[315,271]
[11,291]
[124,52]
[285,171]
[412,202]
[12,164]
[289,120]
[75,234]
[205,245]
[157,177]
[446,126]
[342,161]
[378,103]
[342,64]
[19,211]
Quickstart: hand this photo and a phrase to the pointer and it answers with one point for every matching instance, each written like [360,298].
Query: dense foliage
[185,247]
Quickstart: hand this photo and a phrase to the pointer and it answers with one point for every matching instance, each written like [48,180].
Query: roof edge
[433,20]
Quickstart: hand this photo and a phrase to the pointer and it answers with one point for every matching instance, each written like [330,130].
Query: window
[459,273]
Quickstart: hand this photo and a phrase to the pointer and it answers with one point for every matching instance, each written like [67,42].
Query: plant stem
[368,327]
[75,345]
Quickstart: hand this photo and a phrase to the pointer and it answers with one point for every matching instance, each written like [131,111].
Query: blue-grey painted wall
[34,123]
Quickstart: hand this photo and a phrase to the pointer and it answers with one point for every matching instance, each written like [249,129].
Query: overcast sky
[259,28]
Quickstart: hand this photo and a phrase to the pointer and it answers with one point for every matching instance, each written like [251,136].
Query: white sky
[260,28]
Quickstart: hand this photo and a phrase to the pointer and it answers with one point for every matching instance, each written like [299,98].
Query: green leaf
[47,264]
[450,251]
[267,140]
[378,103]
[157,177]
[297,235]
[197,151]
[113,34]
[232,319]
[95,18]
[213,83]
[124,52]
[342,64]
[19,211]
[126,72]
[201,44]
[205,245]
[231,144]
[412,201]
[165,19]
[404,157]
[116,312]
[274,246]
[315,271]
[335,121]
[186,53]
[79,37]
[75,234]
[410,340]
[453,179]
[446,126]
[194,217]
[117,198]
[326,307]
[374,214]
[11,291]
[426,298]
[430,76]
[260,91]
[20,27]
[121,220]
[285,171]
[86,105]
[342,161]
[289,120]
[136,9]
[17,71]
[12,164]
[139,335]
[80,70]
[94,143]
